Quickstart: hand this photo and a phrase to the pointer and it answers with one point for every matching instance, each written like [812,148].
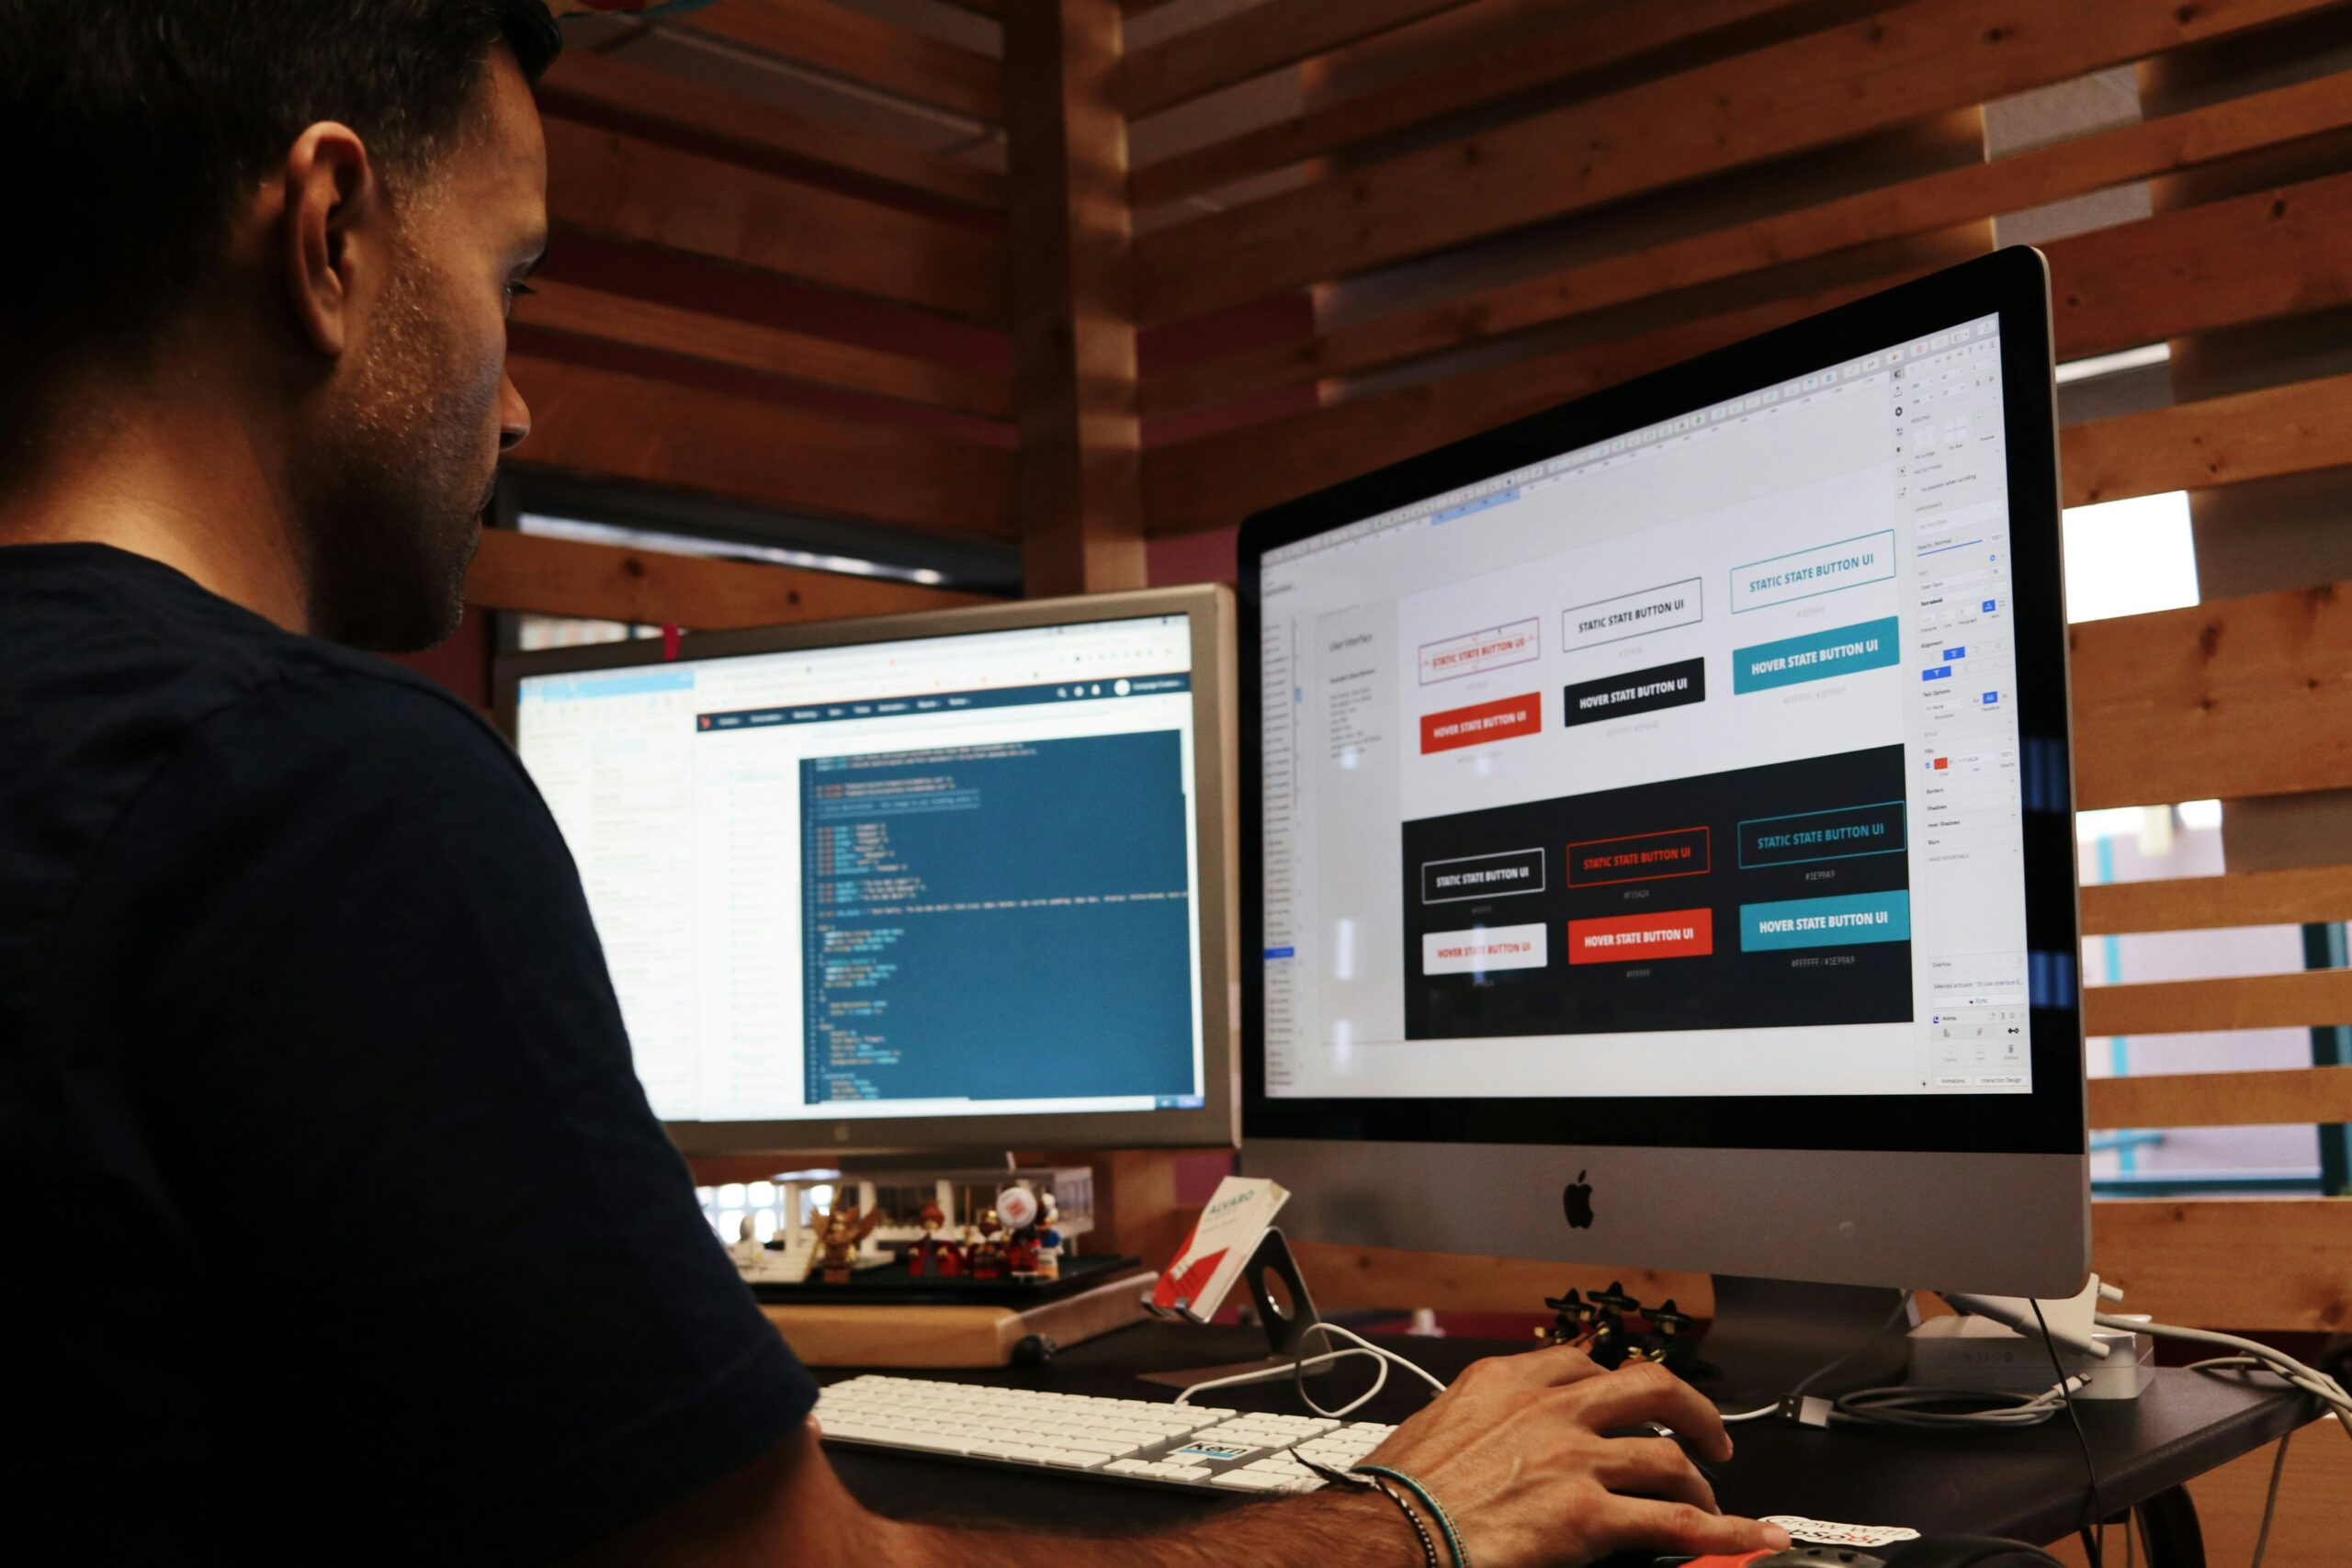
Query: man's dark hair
[128,128]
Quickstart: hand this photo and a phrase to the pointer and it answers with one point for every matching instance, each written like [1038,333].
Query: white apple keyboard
[1127,1440]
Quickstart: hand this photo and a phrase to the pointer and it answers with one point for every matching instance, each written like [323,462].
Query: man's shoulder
[128,656]
[114,671]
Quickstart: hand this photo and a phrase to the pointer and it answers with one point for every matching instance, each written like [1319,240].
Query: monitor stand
[1769,1335]
[1287,1320]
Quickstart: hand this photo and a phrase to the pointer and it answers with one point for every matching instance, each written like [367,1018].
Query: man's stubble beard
[391,484]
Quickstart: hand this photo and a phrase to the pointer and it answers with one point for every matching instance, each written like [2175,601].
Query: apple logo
[1575,1199]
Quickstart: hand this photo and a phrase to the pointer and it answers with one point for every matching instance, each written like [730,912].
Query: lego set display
[1017,1226]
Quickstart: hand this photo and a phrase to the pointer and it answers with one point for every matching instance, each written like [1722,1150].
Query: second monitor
[951,881]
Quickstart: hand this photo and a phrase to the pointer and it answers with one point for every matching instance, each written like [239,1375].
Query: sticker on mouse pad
[1822,1532]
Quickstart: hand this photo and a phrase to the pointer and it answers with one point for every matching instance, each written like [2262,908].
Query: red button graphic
[1629,939]
[1483,722]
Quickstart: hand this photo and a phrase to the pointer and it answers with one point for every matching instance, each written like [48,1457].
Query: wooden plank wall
[1494,205]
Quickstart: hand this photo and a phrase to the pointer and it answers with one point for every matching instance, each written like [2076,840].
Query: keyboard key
[1179,1472]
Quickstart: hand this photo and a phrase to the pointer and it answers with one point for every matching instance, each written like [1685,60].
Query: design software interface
[953,876]
[1683,764]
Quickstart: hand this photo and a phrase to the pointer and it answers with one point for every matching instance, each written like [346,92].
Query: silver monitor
[933,883]
[1656,820]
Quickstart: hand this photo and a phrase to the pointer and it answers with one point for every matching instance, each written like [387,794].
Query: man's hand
[1513,1453]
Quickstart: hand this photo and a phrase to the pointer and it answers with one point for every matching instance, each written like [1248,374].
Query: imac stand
[1769,1336]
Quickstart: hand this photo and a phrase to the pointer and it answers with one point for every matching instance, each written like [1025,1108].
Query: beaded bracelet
[1373,1484]
[1453,1536]
[1429,1547]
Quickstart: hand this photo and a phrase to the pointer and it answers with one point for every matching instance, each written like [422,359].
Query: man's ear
[333,212]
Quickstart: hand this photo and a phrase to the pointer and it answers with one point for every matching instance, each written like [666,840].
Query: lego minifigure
[984,1248]
[933,1257]
[837,1242]
[749,1256]
[1048,1263]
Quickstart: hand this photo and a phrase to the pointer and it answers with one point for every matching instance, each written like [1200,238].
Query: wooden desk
[2026,1484]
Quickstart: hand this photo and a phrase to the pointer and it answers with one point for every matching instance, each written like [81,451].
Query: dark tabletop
[2026,1484]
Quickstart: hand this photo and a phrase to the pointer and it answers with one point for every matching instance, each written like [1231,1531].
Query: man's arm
[1514,1451]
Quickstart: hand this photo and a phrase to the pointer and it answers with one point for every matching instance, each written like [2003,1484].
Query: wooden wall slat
[800,357]
[2291,429]
[567,577]
[714,111]
[2212,903]
[2276,253]
[2247,259]
[2014,184]
[846,43]
[2273,1264]
[1587,41]
[1214,482]
[2278,1098]
[610,424]
[610,184]
[1807,93]
[2195,1007]
[1253,41]
[2184,704]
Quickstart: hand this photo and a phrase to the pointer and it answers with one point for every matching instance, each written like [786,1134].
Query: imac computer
[945,883]
[1657,833]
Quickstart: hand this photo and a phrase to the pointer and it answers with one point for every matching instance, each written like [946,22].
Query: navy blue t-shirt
[337,1226]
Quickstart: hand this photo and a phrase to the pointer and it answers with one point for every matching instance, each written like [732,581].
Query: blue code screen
[999,922]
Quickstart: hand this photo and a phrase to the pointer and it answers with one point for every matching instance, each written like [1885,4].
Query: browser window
[946,877]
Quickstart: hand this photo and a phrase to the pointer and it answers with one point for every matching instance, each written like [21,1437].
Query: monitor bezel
[1209,611]
[2013,283]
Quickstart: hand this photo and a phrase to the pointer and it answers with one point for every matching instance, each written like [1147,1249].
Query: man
[339,1228]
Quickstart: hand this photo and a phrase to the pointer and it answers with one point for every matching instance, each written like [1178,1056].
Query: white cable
[1918,1409]
[1304,1363]
[1269,1374]
[1733,1417]
[2270,1499]
[1387,1359]
[2249,1351]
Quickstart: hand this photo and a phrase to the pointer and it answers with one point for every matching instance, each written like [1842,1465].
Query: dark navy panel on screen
[998,921]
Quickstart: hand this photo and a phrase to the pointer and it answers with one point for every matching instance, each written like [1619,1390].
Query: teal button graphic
[1816,656]
[1825,923]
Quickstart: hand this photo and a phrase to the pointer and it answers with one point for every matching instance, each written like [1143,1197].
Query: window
[2128,557]
[664,524]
